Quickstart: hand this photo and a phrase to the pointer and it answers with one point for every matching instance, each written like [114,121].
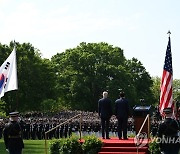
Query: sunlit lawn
[31,147]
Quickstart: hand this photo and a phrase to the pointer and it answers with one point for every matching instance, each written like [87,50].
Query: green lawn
[31,147]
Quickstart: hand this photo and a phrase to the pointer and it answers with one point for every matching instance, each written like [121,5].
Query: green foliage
[35,78]
[2,114]
[49,105]
[156,90]
[154,147]
[75,79]
[87,71]
[2,108]
[62,105]
[66,146]
[176,89]
[91,145]
[70,146]
[84,72]
[54,146]
[141,81]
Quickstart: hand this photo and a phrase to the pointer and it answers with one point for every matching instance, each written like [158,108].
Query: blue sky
[138,27]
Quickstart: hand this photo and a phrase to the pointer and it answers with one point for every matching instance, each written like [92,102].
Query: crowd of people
[35,124]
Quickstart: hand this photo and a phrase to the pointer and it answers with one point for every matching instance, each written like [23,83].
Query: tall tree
[156,89]
[35,79]
[85,71]
[75,78]
[141,80]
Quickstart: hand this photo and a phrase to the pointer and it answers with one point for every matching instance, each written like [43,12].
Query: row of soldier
[34,125]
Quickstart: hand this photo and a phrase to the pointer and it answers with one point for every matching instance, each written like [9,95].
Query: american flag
[166,99]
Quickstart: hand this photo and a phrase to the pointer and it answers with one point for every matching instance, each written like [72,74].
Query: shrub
[54,146]
[70,146]
[154,147]
[91,145]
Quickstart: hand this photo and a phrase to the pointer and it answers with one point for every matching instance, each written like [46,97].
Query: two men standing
[121,113]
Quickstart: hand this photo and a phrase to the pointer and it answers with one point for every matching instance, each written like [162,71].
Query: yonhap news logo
[167,140]
[141,139]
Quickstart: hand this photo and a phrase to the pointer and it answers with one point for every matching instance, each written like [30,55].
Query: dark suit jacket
[105,108]
[121,108]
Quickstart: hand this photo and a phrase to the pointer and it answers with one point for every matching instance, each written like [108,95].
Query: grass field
[31,147]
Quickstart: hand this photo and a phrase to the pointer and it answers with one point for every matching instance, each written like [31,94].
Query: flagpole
[166,80]
[14,43]
[17,102]
[174,102]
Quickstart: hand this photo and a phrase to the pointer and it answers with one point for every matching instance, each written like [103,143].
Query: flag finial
[14,43]
[169,33]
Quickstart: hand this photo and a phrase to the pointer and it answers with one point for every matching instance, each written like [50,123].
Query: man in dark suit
[105,112]
[13,135]
[122,113]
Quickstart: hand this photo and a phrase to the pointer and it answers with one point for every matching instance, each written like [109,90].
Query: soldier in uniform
[13,135]
[168,133]
[70,130]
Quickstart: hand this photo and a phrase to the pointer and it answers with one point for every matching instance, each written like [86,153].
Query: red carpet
[116,146]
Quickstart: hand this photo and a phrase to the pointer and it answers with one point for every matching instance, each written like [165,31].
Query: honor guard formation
[35,124]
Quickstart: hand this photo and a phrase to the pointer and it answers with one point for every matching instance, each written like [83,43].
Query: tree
[4,53]
[35,79]
[84,72]
[141,80]
[2,108]
[176,91]
[156,89]
[75,78]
